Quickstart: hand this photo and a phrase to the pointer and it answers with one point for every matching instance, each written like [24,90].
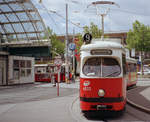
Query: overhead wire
[59,15]
[130,12]
[50,15]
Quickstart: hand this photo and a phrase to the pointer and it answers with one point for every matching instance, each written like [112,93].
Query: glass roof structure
[20,21]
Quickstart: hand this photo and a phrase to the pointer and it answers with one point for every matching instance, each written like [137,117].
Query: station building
[23,39]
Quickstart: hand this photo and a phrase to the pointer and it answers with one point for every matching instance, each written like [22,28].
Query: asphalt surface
[32,92]
[39,102]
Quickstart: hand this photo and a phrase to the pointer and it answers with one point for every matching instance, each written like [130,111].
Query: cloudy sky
[117,19]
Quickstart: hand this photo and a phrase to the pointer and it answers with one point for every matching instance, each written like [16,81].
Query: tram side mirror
[87,38]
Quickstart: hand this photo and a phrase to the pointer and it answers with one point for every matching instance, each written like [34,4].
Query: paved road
[52,110]
[131,115]
[34,92]
[37,103]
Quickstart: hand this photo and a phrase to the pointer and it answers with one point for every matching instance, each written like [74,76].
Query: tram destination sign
[101,52]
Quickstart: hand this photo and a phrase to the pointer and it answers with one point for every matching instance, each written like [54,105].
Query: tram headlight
[101,92]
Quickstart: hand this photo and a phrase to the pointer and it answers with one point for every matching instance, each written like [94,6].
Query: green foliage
[79,43]
[139,37]
[57,46]
[93,29]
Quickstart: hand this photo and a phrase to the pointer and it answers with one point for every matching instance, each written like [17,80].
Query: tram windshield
[101,67]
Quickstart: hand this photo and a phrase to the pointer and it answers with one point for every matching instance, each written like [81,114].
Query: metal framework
[20,21]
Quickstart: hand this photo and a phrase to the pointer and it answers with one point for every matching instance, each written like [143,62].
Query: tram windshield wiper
[111,74]
[91,74]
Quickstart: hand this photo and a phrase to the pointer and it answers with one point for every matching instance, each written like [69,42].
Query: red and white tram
[44,72]
[102,77]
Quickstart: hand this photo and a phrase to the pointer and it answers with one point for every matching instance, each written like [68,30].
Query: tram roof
[99,44]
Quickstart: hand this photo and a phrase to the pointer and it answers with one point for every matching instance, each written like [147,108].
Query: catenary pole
[66,49]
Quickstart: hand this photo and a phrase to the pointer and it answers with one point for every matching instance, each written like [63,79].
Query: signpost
[58,63]
[72,47]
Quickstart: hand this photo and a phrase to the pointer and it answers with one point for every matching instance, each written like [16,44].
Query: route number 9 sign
[87,38]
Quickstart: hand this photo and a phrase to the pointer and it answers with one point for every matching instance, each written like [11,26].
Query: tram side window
[110,67]
[124,64]
[133,68]
[92,67]
[128,68]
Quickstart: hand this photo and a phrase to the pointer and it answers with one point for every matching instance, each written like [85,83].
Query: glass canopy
[20,21]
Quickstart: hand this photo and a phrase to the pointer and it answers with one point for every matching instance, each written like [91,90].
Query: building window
[23,73]
[28,72]
[28,64]
[22,64]
[16,64]
[21,68]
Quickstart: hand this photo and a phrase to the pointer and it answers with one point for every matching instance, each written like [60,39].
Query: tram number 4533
[87,89]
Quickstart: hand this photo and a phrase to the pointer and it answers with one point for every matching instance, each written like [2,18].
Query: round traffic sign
[72,46]
[58,62]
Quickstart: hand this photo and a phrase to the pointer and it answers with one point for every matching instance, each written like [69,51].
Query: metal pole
[141,63]
[66,59]
[58,81]
[102,26]
[73,56]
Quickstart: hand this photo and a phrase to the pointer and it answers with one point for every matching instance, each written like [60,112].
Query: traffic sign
[72,46]
[58,62]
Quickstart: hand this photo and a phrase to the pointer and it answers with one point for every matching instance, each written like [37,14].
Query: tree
[93,29]
[57,47]
[139,37]
[79,42]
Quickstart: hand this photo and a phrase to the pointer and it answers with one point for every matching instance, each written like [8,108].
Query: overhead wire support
[103,13]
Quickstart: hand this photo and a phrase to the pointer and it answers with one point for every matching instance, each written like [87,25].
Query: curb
[76,116]
[71,109]
[137,106]
[141,108]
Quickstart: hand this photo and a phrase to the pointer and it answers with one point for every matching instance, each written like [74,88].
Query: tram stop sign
[87,38]
[58,62]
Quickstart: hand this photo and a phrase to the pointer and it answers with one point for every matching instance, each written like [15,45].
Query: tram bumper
[112,104]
